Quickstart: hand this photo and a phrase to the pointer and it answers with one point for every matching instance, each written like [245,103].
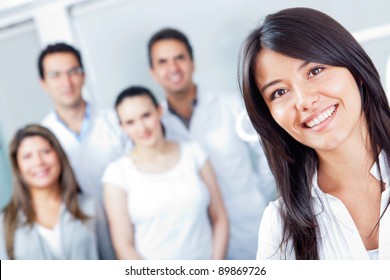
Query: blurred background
[112,36]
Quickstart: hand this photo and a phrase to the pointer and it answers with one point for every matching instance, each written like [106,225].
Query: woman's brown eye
[315,71]
[278,93]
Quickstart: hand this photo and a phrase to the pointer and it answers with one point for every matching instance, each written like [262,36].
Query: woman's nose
[141,127]
[306,98]
[38,160]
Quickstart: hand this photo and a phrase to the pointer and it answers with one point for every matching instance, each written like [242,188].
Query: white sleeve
[270,234]
[114,175]
[199,154]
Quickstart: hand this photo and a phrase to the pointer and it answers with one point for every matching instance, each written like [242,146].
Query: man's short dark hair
[57,48]
[168,34]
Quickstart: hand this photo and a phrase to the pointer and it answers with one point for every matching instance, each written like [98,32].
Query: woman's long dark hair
[309,35]
[21,198]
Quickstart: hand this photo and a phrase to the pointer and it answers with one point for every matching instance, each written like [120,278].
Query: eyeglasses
[72,72]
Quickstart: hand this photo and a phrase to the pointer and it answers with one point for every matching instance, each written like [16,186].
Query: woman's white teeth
[321,118]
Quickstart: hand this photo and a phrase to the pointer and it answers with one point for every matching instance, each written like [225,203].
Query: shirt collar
[385,170]
[185,121]
[85,125]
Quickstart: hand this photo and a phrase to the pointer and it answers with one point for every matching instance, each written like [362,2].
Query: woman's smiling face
[38,163]
[317,104]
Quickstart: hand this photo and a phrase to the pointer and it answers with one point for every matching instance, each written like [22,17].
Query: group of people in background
[173,180]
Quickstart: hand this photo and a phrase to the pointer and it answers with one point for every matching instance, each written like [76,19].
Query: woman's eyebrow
[269,84]
[303,65]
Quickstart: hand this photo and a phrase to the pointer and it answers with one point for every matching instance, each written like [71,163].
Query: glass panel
[22,100]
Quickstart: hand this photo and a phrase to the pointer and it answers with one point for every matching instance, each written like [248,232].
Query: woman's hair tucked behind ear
[313,36]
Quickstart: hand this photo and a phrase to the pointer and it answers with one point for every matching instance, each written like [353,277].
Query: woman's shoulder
[192,149]
[120,172]
[123,160]
[270,231]
[274,209]
[122,163]
[277,203]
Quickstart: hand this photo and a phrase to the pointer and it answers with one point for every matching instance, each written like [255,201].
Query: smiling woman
[45,210]
[315,98]
[162,199]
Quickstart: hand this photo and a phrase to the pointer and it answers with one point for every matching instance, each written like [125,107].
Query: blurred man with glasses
[91,137]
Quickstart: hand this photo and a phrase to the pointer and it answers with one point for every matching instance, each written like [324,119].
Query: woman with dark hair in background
[316,100]
[47,218]
[162,199]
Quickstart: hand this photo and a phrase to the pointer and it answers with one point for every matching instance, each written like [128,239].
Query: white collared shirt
[84,125]
[339,236]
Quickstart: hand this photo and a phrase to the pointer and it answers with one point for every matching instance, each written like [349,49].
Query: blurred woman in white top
[162,199]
